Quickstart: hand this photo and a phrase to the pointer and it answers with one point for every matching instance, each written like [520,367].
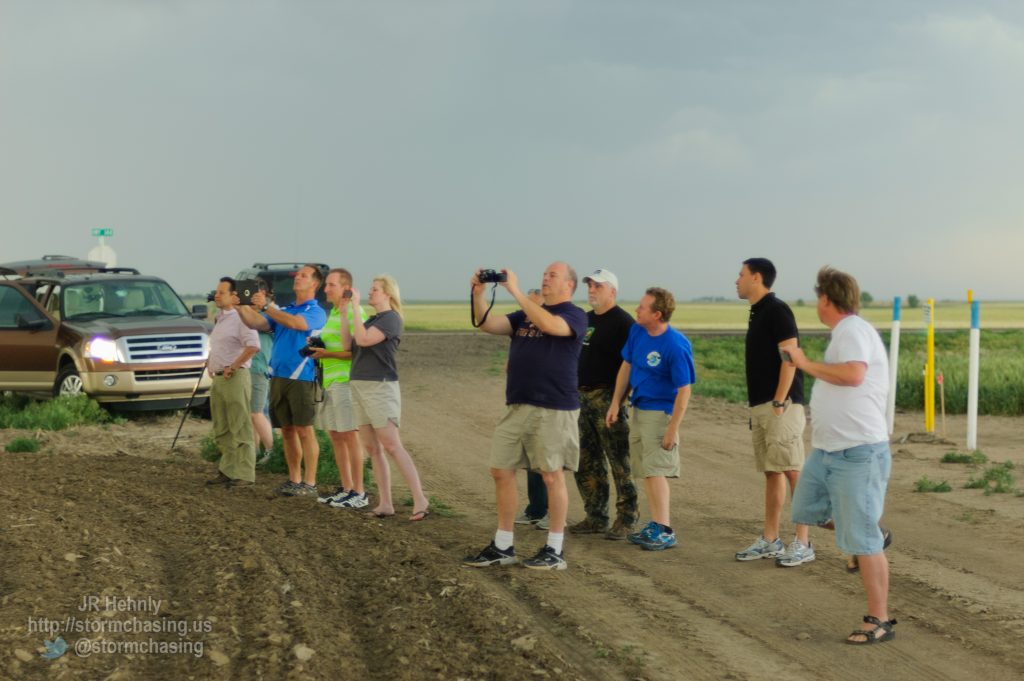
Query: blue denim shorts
[849,487]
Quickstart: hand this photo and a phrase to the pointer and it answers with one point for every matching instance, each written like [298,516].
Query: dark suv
[279,277]
[122,338]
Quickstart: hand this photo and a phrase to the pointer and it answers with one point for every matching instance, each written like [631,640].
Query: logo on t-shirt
[653,358]
[587,335]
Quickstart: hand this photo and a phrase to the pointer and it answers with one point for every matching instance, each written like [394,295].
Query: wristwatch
[778,405]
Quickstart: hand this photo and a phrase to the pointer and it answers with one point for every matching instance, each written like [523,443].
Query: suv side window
[48,296]
[16,309]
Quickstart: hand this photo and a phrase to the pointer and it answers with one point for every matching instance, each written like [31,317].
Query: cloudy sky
[666,140]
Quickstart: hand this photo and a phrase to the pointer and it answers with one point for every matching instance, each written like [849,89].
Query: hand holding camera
[258,299]
[313,343]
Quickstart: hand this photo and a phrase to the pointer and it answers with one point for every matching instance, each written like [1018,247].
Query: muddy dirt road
[104,529]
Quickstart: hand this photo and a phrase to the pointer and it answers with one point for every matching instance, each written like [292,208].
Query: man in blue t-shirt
[293,377]
[539,428]
[657,363]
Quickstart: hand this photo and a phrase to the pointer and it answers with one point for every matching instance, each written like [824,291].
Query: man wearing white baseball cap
[600,445]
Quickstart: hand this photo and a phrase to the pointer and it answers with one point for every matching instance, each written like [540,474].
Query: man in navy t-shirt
[539,428]
[657,363]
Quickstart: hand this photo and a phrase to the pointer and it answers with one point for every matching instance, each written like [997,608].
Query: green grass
[997,479]
[721,369]
[723,316]
[326,469]
[976,457]
[18,411]
[926,485]
[22,444]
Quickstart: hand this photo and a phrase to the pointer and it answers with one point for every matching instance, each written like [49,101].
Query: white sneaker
[797,553]
[351,500]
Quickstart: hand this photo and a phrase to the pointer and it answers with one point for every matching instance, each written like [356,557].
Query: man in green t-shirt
[335,414]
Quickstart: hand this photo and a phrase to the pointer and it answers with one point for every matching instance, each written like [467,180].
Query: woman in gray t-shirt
[375,393]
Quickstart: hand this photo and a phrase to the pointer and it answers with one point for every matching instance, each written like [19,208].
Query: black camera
[211,296]
[312,343]
[492,277]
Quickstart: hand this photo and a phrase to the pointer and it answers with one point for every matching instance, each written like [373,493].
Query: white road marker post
[894,358]
[972,377]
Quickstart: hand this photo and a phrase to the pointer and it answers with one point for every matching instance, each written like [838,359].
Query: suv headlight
[102,349]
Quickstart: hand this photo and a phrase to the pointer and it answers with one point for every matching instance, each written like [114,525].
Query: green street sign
[102,231]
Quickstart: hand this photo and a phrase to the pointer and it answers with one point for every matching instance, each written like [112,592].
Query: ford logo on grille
[167,347]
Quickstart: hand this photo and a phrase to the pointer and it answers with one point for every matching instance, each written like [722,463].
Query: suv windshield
[120,299]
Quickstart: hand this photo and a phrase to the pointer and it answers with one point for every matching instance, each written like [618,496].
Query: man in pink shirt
[232,345]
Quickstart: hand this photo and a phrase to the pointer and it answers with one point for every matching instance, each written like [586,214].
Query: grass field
[422,316]
[720,369]
[720,358]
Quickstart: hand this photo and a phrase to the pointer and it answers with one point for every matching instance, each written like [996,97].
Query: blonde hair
[390,288]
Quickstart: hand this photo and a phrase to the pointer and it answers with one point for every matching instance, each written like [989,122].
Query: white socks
[503,540]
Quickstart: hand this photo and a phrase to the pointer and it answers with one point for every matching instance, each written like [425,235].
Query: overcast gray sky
[666,141]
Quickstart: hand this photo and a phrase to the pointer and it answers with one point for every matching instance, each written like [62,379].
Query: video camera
[312,343]
[492,277]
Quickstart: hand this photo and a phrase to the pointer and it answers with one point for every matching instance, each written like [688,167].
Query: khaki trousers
[232,426]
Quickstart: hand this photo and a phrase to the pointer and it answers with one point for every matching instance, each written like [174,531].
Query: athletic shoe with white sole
[659,541]
[546,559]
[524,519]
[644,535]
[338,494]
[492,555]
[762,548]
[797,553]
[351,500]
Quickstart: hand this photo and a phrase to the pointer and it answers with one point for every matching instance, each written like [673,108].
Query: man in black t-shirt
[775,391]
[539,430]
[607,330]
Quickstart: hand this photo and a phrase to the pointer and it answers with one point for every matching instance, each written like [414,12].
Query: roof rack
[117,270]
[46,272]
[289,264]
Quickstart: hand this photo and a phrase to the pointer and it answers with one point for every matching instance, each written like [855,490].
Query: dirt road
[286,588]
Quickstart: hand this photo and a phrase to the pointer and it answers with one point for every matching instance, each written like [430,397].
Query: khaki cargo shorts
[376,402]
[537,438]
[337,411]
[647,458]
[778,440]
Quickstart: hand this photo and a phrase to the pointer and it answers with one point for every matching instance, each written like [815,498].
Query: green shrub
[975,457]
[997,479]
[326,469]
[926,485]
[23,444]
[18,411]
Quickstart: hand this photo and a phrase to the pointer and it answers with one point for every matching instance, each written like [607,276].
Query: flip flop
[419,516]
[378,514]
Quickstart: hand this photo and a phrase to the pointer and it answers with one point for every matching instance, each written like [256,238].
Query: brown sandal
[871,635]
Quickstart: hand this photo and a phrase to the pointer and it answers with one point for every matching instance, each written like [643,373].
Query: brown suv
[122,338]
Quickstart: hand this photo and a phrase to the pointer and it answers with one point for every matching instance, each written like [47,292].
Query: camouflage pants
[600,446]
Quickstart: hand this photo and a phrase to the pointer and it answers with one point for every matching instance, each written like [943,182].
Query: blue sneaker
[644,535]
[659,541]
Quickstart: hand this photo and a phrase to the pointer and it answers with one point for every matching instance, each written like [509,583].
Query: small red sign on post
[938,379]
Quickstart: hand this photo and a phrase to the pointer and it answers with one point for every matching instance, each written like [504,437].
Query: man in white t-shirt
[845,477]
